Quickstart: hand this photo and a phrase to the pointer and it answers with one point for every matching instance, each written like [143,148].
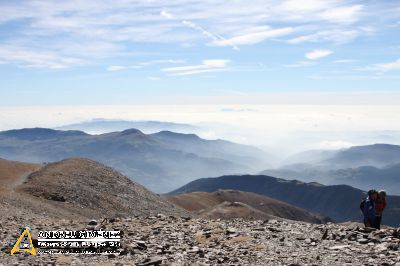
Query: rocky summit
[168,240]
[79,187]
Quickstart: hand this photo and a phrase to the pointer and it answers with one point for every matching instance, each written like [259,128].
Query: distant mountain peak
[170,134]
[132,131]
[105,125]
[40,133]
[376,146]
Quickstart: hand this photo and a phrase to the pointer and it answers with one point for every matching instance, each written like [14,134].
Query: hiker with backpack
[368,208]
[380,204]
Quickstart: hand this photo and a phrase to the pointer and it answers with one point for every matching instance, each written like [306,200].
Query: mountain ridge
[228,204]
[102,125]
[340,202]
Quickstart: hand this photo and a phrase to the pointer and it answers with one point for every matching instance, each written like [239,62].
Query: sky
[271,65]
[130,52]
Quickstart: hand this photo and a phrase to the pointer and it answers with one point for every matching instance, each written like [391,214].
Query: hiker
[369,208]
[380,204]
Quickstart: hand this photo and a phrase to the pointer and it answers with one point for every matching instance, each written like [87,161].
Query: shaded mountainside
[339,202]
[364,177]
[191,143]
[161,162]
[78,187]
[226,204]
[377,155]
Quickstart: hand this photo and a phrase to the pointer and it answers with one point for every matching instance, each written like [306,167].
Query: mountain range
[377,155]
[161,161]
[365,167]
[363,177]
[102,125]
[339,202]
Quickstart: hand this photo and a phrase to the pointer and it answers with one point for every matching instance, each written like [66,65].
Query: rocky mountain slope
[339,202]
[228,204]
[12,172]
[161,161]
[70,194]
[163,240]
[78,187]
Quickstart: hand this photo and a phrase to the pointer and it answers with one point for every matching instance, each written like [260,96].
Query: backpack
[362,203]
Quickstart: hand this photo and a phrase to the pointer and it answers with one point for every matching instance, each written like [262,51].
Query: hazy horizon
[278,129]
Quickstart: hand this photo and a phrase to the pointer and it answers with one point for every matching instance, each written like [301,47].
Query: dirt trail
[21,179]
[14,173]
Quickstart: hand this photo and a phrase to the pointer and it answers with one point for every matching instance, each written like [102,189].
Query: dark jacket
[369,211]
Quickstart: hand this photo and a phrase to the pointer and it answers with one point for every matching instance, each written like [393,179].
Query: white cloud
[333,11]
[395,65]
[116,68]
[381,68]
[166,14]
[35,58]
[337,36]
[317,54]
[214,37]
[162,61]
[305,5]
[342,14]
[212,65]
[254,37]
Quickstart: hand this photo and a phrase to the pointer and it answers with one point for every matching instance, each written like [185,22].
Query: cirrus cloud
[395,65]
[317,54]
[211,65]
[254,37]
[87,31]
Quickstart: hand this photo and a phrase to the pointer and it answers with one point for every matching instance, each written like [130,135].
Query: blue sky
[122,52]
